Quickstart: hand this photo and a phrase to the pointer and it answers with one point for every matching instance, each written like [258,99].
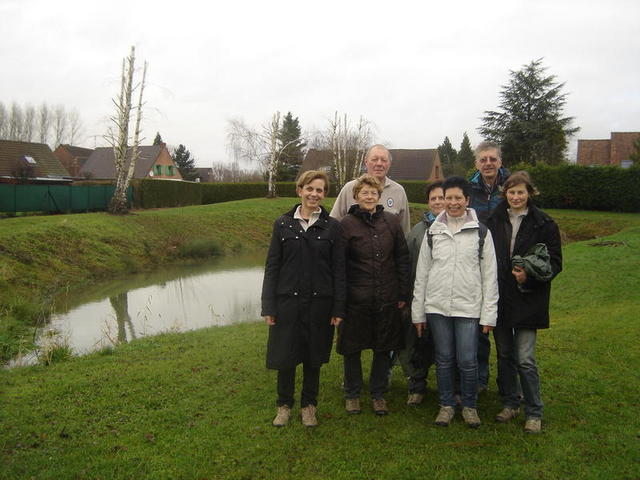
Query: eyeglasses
[488,159]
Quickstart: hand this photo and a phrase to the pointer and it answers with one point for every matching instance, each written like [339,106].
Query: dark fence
[55,198]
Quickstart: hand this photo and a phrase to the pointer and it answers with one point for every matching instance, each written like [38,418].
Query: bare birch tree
[348,145]
[4,122]
[260,146]
[118,134]
[44,123]
[15,122]
[59,125]
[75,127]
[28,126]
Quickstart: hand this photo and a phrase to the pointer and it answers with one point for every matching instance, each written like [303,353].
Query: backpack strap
[482,234]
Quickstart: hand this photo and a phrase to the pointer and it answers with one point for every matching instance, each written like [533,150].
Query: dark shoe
[507,414]
[445,415]
[282,416]
[380,406]
[352,405]
[533,425]
[309,416]
[470,416]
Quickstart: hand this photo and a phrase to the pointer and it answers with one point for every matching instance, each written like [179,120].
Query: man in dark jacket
[486,189]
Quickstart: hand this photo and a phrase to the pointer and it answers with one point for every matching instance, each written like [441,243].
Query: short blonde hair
[366,179]
[310,175]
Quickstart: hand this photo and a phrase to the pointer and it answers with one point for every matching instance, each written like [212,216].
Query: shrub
[199,248]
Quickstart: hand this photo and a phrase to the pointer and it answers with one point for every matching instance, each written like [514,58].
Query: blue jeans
[455,341]
[517,357]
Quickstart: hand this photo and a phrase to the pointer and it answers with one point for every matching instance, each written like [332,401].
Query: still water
[176,299]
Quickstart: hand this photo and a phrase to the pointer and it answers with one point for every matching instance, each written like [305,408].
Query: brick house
[154,162]
[407,164]
[72,157]
[26,162]
[615,151]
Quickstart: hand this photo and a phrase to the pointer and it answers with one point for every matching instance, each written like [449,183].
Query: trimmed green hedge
[166,193]
[587,188]
[565,186]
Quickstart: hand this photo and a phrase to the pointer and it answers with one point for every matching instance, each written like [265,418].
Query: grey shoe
[445,415]
[352,405]
[507,414]
[309,416]
[282,416]
[533,425]
[470,416]
[415,399]
[380,406]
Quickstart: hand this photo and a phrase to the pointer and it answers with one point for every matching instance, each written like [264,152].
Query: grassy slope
[198,405]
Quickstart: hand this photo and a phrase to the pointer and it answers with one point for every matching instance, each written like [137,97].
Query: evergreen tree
[466,157]
[185,162]
[448,156]
[158,139]
[529,124]
[635,155]
[292,146]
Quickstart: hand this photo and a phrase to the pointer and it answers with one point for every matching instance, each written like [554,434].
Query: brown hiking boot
[309,416]
[352,405]
[470,416]
[380,406]
[507,414]
[282,416]
[415,399]
[445,415]
[533,425]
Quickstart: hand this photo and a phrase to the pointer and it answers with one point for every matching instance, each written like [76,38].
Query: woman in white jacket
[456,292]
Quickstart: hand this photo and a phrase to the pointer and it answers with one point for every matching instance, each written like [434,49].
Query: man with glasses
[487,180]
[486,192]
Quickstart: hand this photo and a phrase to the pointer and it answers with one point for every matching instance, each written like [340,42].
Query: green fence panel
[32,198]
[60,198]
[56,198]
[7,198]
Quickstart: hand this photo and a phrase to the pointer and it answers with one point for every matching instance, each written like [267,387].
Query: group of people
[480,260]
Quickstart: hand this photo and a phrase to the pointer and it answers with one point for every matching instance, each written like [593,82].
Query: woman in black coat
[378,269]
[303,295]
[517,225]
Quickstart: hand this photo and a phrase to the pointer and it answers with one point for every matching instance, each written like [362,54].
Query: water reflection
[178,299]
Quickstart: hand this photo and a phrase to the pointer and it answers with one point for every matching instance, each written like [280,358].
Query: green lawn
[198,405]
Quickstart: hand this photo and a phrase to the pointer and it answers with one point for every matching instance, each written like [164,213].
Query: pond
[173,299]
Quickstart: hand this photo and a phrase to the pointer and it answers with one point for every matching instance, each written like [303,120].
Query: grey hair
[378,145]
[487,145]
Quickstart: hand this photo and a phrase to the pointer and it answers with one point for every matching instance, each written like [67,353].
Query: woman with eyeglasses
[378,269]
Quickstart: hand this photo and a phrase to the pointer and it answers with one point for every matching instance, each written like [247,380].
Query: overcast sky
[419,70]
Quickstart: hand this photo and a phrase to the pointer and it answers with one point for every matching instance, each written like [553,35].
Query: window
[158,169]
[169,170]
[30,160]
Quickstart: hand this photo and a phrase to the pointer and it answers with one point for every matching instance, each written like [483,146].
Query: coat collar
[322,222]
[356,211]
[535,214]
[440,225]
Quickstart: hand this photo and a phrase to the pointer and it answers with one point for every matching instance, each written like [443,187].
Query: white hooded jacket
[452,280]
